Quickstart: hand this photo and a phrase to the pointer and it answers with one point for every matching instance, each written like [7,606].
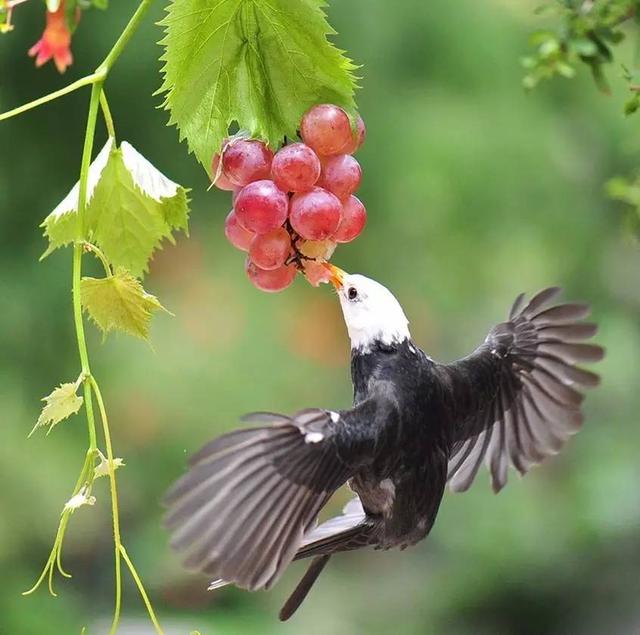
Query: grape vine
[69,223]
[267,64]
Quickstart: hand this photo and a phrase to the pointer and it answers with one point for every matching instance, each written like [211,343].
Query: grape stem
[297,257]
[91,388]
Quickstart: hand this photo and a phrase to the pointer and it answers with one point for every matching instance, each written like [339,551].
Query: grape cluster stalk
[292,208]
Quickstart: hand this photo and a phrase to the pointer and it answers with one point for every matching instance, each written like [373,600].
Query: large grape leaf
[259,63]
[120,303]
[131,208]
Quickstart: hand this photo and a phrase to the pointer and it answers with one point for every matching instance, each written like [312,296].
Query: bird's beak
[336,275]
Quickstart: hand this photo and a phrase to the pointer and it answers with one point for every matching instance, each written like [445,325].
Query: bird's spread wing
[242,511]
[516,400]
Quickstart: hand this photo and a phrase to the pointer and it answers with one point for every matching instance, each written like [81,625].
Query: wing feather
[517,399]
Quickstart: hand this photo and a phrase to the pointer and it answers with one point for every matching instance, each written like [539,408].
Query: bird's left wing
[516,400]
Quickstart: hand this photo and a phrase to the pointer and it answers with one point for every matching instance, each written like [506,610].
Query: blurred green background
[475,191]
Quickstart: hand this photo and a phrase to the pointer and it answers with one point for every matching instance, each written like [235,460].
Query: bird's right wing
[242,510]
[517,399]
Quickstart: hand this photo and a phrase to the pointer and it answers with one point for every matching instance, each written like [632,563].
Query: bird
[248,504]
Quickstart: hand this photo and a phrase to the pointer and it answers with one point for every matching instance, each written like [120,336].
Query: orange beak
[337,275]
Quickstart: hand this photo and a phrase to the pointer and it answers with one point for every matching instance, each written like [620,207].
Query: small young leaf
[60,404]
[102,469]
[131,208]
[261,64]
[80,499]
[119,303]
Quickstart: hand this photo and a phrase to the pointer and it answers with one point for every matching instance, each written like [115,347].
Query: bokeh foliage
[476,190]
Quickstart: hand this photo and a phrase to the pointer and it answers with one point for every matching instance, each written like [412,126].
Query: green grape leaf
[61,226]
[59,405]
[131,208]
[259,63]
[119,302]
[134,207]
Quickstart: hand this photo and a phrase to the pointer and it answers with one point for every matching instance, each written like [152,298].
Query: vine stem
[90,385]
[106,113]
[80,83]
[143,593]
[117,540]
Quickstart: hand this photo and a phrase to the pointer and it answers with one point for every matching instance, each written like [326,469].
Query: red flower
[55,41]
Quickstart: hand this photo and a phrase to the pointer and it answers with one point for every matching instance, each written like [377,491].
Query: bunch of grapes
[291,209]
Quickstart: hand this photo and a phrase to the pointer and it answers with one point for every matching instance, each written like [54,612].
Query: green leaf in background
[259,63]
[119,302]
[627,191]
[59,405]
[131,208]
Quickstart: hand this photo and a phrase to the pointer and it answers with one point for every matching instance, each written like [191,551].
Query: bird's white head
[371,312]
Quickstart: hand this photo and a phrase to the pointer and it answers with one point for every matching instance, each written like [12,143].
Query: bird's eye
[352,293]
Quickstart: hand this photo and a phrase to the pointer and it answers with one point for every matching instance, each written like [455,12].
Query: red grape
[261,206]
[315,215]
[246,160]
[295,168]
[354,217]
[221,182]
[356,140]
[341,175]
[270,281]
[236,234]
[326,128]
[316,272]
[270,251]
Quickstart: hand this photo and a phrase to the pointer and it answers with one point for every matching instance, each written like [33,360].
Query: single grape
[261,206]
[316,273]
[236,234]
[222,182]
[315,215]
[357,139]
[270,281]
[295,168]
[354,217]
[326,129]
[270,250]
[322,249]
[341,175]
[246,160]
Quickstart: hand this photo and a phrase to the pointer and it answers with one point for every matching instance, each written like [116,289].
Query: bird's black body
[249,504]
[401,482]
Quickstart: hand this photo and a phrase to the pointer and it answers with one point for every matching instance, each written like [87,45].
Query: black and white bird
[248,505]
